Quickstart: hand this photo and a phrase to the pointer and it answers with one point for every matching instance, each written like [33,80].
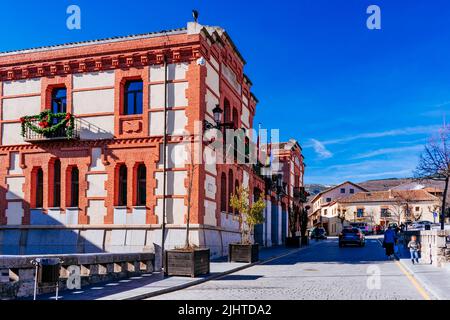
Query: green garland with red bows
[47,124]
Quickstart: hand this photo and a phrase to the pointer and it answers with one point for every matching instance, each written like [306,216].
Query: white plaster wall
[210,213]
[14,213]
[96,160]
[214,62]
[210,158]
[95,101]
[228,223]
[15,190]
[18,87]
[245,117]
[11,134]
[175,211]
[15,108]
[210,186]
[175,183]
[212,78]
[137,217]
[96,183]
[176,123]
[96,212]
[245,179]
[93,79]
[177,155]
[57,215]
[174,72]
[268,223]
[97,128]
[245,100]
[176,95]
[72,216]
[211,101]
[120,216]
[14,164]
[229,74]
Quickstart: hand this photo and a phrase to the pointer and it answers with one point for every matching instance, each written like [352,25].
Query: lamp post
[218,119]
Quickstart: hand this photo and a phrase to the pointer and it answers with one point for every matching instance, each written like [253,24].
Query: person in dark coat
[389,242]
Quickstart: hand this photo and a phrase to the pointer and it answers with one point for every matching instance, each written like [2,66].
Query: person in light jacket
[414,249]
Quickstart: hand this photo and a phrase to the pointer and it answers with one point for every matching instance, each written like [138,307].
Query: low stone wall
[17,274]
[435,249]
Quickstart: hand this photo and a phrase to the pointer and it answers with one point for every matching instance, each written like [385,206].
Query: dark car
[318,233]
[352,236]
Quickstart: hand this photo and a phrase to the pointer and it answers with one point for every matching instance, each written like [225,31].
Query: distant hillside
[383,184]
[315,188]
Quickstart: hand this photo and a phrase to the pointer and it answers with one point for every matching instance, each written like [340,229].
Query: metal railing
[60,134]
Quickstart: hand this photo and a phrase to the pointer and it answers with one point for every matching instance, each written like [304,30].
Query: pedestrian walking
[414,249]
[389,242]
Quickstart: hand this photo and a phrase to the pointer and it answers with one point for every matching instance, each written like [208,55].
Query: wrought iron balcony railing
[62,133]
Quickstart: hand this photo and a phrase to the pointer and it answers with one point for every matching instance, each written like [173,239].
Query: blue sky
[361,102]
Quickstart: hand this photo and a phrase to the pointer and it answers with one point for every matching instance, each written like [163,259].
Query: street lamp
[218,119]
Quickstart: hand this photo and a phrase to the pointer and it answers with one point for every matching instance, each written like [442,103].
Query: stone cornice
[99,62]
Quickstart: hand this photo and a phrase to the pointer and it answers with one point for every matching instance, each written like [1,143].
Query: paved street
[324,271]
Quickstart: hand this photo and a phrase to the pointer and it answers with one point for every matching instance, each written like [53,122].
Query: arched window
[59,100]
[223,193]
[74,187]
[123,177]
[141,186]
[231,190]
[39,188]
[235,118]
[133,102]
[236,186]
[57,184]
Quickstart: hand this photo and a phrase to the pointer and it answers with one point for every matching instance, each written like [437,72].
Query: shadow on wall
[58,232]
[90,131]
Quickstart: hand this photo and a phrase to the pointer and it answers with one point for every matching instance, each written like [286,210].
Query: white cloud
[371,135]
[320,149]
[383,151]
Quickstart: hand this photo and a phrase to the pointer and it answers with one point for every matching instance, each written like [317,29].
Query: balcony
[50,127]
[300,194]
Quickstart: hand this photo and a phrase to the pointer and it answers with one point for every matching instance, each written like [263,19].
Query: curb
[213,277]
[418,278]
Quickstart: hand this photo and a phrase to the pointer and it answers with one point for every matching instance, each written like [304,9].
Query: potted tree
[248,216]
[293,241]
[190,261]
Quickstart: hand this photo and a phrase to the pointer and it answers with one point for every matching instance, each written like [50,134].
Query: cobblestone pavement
[321,272]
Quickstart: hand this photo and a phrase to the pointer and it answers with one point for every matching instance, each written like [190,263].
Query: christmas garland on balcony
[47,124]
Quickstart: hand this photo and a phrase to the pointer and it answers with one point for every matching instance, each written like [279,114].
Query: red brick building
[96,182]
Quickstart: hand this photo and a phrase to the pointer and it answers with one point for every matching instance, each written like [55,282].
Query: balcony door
[59,100]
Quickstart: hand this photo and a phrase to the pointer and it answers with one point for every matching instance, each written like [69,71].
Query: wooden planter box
[293,242]
[187,263]
[243,253]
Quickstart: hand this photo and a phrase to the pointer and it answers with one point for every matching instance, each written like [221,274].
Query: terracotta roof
[335,187]
[98,41]
[387,196]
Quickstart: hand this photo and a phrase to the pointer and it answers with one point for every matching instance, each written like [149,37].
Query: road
[324,272]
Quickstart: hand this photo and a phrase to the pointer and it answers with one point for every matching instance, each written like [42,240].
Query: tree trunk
[444,200]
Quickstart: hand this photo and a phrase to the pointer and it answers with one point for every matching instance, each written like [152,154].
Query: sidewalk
[147,286]
[435,280]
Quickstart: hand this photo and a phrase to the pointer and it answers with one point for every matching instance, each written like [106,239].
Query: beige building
[383,207]
[348,202]
[325,209]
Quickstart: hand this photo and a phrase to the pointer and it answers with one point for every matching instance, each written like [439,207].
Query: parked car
[363,226]
[318,233]
[422,225]
[352,236]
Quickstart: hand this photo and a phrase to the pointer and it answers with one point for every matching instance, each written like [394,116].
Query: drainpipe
[164,157]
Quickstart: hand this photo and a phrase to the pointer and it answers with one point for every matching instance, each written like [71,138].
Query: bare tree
[434,163]
[342,214]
